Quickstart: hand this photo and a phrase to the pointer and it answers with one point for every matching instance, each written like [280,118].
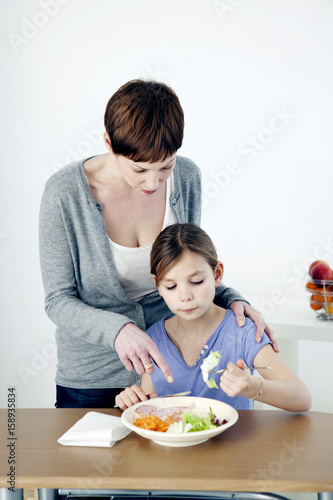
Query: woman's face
[146,178]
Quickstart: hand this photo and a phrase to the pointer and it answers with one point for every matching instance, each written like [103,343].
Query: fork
[248,367]
[186,393]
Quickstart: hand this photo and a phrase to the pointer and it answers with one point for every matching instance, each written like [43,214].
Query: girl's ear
[218,273]
[154,278]
[107,141]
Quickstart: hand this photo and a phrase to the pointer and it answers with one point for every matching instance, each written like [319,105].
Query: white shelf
[295,320]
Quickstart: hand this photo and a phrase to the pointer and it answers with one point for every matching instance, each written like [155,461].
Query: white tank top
[133,264]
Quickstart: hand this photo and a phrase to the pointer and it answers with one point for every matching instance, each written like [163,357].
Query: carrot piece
[154,423]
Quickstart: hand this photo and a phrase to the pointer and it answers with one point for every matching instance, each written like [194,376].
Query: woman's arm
[136,350]
[281,387]
[63,302]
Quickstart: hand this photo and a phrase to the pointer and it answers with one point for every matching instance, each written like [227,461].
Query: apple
[320,271]
[315,263]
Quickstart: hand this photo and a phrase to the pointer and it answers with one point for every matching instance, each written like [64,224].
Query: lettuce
[208,363]
[201,423]
[179,427]
[192,423]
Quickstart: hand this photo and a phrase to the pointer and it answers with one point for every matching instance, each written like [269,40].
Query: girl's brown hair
[173,241]
[144,121]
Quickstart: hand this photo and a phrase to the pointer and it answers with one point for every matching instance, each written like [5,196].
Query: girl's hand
[238,382]
[136,350]
[132,395]
[242,309]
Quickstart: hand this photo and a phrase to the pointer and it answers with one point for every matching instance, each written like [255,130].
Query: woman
[98,220]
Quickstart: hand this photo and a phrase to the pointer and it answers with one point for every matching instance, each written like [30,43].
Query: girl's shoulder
[245,334]
[230,324]
[157,328]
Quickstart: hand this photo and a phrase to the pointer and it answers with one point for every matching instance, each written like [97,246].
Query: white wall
[237,66]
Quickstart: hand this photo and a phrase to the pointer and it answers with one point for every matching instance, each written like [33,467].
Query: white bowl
[202,405]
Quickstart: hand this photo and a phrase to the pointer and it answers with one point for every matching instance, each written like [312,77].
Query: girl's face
[188,288]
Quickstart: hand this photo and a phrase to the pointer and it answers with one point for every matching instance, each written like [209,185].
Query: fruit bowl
[321,299]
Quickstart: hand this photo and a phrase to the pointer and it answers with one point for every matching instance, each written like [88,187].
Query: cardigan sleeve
[62,302]
[225,296]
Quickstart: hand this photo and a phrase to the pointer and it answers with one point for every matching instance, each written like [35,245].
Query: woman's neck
[101,171]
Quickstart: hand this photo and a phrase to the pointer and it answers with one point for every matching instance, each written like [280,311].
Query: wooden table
[269,450]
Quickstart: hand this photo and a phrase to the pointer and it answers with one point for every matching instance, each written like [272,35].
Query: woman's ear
[218,273]
[107,141]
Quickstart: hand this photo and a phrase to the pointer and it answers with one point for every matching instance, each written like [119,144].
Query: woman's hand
[236,381]
[132,395]
[242,309]
[136,351]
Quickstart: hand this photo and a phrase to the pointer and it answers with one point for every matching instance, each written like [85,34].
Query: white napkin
[95,429]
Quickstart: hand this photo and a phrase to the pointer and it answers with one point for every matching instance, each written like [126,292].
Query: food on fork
[208,363]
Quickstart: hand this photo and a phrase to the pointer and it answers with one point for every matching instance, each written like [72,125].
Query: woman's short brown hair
[173,241]
[144,121]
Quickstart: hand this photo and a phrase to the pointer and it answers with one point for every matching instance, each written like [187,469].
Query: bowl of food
[179,421]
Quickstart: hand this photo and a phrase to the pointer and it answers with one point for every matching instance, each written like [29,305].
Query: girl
[186,271]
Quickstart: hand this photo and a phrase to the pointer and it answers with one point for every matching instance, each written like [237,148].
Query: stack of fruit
[321,288]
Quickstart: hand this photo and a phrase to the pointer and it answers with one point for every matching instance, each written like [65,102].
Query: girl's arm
[135,394]
[281,387]
[147,385]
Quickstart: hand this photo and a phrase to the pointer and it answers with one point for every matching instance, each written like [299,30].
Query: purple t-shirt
[232,342]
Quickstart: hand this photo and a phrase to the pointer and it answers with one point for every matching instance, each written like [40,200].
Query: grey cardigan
[83,296]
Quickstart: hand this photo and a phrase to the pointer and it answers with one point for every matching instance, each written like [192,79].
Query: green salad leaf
[193,423]
[208,363]
[200,423]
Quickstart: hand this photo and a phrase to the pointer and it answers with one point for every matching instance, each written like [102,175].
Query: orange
[319,298]
[311,286]
[314,306]
[324,297]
